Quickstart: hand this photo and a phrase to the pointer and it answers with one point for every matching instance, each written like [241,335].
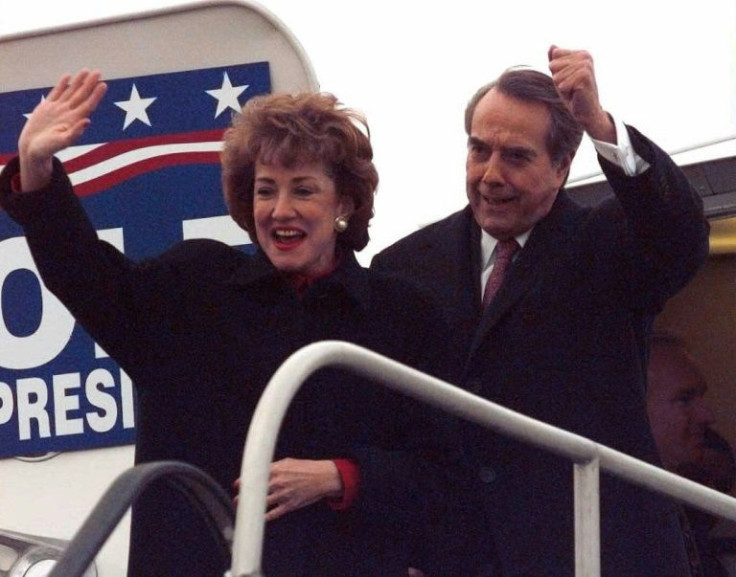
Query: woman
[201,329]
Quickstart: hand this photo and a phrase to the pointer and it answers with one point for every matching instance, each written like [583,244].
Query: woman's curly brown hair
[292,129]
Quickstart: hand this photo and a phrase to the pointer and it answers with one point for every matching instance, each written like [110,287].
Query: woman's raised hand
[56,123]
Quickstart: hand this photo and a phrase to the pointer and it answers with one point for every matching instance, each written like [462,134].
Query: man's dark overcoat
[563,342]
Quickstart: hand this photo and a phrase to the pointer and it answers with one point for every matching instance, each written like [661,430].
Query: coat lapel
[447,265]
[550,236]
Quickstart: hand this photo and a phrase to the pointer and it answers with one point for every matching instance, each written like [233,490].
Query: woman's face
[294,211]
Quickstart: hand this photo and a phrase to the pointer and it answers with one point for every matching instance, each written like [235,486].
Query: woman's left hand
[296,483]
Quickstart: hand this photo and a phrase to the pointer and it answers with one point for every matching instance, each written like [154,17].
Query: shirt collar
[488,244]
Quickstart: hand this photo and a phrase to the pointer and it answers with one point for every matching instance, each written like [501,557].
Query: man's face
[677,412]
[511,181]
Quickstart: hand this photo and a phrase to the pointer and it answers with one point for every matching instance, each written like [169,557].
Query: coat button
[487,475]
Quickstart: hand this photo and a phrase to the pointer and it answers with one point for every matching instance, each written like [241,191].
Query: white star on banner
[227,95]
[135,108]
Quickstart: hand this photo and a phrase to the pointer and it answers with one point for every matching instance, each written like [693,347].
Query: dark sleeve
[400,258]
[86,274]
[125,306]
[663,238]
[387,260]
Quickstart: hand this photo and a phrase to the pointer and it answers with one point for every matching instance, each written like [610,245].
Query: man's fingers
[555,53]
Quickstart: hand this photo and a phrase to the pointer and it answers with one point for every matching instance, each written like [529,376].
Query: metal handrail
[199,489]
[587,456]
[33,553]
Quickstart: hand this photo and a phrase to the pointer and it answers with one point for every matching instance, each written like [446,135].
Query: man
[562,340]
[676,406]
[687,444]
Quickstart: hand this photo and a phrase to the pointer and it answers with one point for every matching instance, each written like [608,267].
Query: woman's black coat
[200,330]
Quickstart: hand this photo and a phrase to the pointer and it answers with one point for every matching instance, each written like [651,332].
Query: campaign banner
[148,174]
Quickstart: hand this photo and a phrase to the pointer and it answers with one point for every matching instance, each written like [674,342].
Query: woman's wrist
[35,175]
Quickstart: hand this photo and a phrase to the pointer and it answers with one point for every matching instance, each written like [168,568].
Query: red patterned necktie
[505,250]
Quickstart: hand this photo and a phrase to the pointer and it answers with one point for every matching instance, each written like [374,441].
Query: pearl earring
[341,224]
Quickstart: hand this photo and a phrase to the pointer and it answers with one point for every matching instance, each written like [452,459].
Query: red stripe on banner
[115,177]
[117,147]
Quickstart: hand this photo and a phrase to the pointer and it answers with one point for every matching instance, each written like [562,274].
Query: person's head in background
[716,469]
[678,415]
